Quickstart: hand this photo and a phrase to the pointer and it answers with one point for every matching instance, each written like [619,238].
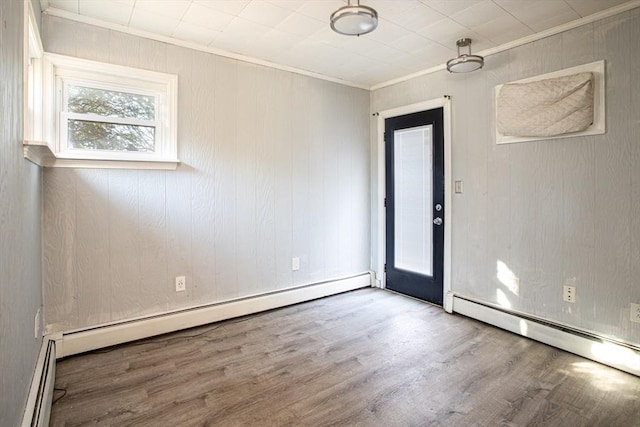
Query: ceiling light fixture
[354,20]
[466,62]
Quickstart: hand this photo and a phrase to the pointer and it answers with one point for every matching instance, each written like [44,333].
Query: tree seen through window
[105,134]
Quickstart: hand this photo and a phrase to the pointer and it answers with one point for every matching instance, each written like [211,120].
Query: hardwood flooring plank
[362,358]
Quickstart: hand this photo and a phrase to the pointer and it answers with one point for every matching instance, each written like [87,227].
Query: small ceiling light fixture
[466,62]
[354,20]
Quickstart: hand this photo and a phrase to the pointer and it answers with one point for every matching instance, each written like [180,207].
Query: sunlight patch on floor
[602,377]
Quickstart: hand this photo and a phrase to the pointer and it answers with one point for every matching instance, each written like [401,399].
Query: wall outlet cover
[181,284]
[569,294]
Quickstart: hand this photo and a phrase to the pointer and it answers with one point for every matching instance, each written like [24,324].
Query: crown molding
[190,45]
[524,40]
[227,54]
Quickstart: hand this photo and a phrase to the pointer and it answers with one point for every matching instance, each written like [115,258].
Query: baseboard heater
[38,408]
[620,355]
[80,341]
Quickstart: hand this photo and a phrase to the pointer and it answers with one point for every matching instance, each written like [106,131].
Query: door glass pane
[413,167]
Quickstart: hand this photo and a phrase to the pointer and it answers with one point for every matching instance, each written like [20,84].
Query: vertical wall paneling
[225,245]
[578,221]
[498,201]
[344,200]
[203,196]
[613,171]
[305,101]
[283,107]
[547,212]
[123,49]
[154,252]
[92,230]
[250,79]
[124,240]
[580,42]
[20,226]
[274,165]
[477,119]
[153,55]
[59,222]
[324,176]
[100,44]
[180,183]
[634,123]
[360,251]
[269,122]
[547,277]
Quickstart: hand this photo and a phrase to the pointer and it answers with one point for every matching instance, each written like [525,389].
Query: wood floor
[363,358]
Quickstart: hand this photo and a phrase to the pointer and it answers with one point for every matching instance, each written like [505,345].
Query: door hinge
[385,268]
[385,137]
[385,202]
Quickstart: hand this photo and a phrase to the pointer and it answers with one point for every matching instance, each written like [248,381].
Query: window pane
[110,136]
[413,189]
[109,103]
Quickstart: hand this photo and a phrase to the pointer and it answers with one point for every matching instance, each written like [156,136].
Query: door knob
[437,220]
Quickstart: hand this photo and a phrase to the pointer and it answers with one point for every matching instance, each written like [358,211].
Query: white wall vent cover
[561,104]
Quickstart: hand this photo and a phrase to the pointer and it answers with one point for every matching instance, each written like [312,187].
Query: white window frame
[33,124]
[61,71]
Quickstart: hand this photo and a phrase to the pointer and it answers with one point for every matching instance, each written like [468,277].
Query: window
[100,112]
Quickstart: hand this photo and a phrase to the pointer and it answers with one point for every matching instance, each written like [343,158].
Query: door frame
[379,258]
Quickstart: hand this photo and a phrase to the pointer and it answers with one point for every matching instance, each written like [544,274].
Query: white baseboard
[104,336]
[38,407]
[602,350]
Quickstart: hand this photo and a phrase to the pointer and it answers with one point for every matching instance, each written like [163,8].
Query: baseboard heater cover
[600,349]
[70,343]
[38,407]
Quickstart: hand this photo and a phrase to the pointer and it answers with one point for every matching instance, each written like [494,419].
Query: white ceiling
[412,35]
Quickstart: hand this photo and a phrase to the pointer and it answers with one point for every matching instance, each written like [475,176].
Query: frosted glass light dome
[354,20]
[465,63]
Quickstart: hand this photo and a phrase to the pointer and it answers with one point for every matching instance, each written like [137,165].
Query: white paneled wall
[275,165]
[549,211]
[20,232]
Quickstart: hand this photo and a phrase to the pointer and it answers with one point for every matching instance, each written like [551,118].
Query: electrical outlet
[569,294]
[635,313]
[181,284]
[295,264]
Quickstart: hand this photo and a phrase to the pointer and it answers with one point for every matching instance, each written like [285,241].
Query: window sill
[40,153]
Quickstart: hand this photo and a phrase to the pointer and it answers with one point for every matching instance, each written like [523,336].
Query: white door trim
[379,257]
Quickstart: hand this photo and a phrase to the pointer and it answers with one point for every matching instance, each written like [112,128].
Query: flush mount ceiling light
[354,20]
[466,62]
